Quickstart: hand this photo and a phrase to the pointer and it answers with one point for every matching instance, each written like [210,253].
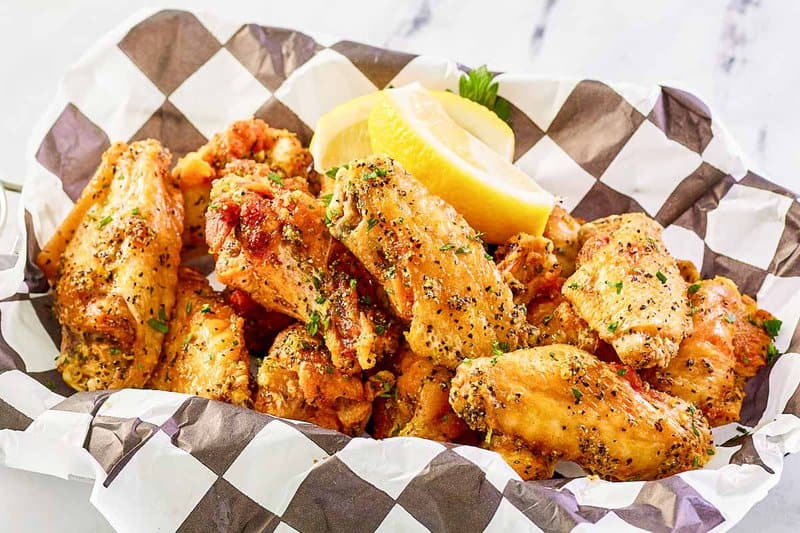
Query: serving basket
[163,461]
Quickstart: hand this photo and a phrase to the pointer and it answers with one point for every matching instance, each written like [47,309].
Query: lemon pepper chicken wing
[249,139]
[114,284]
[204,352]
[273,244]
[703,371]
[297,380]
[417,405]
[429,261]
[629,289]
[563,400]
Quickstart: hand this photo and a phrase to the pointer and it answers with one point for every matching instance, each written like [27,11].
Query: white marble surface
[737,54]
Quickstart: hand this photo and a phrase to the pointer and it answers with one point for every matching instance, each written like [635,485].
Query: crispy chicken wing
[562,228]
[563,400]
[115,283]
[703,371]
[272,243]
[530,267]
[430,262]
[416,405]
[204,352]
[249,139]
[628,288]
[298,380]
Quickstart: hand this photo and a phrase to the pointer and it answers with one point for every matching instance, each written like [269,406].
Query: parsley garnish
[331,172]
[578,394]
[617,285]
[326,198]
[448,246]
[162,314]
[574,285]
[329,369]
[135,211]
[188,307]
[158,325]
[371,223]
[661,277]
[499,348]
[104,221]
[547,318]
[695,461]
[274,177]
[479,87]
[772,353]
[772,327]
[730,318]
[390,272]
[380,329]
[711,451]
[205,309]
[313,324]
[613,326]
[478,237]
[114,350]
[353,283]
[462,250]
[693,288]
[622,371]
[320,299]
[694,430]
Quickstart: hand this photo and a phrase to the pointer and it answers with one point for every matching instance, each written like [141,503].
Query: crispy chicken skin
[562,229]
[429,261]
[417,404]
[526,460]
[297,380]
[204,352]
[556,322]
[629,289]
[529,267]
[273,244]
[115,282]
[703,371]
[560,399]
[250,139]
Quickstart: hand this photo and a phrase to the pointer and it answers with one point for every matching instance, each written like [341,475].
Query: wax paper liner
[163,461]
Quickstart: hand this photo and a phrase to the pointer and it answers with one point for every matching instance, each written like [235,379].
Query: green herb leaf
[622,371]
[114,350]
[661,277]
[613,326]
[104,221]
[772,353]
[313,324]
[448,246]
[188,307]
[578,394]
[371,223]
[617,285]
[353,283]
[380,329]
[162,314]
[547,318]
[773,327]
[730,318]
[479,87]
[135,211]
[461,250]
[326,199]
[205,309]
[328,369]
[711,451]
[331,172]
[499,348]
[320,299]
[158,325]
[693,288]
[574,285]
[274,177]
[695,462]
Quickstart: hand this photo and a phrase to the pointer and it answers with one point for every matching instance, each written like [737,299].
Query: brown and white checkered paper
[162,461]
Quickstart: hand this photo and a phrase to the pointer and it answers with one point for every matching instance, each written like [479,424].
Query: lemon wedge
[495,197]
[341,134]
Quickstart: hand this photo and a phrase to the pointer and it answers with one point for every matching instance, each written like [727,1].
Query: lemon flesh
[495,197]
[341,134]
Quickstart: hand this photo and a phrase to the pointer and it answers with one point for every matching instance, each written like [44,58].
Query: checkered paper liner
[163,461]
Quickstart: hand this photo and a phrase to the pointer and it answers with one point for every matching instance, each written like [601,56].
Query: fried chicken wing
[530,267]
[272,243]
[249,139]
[298,380]
[703,371]
[563,400]
[417,405]
[114,283]
[629,289]
[562,229]
[429,261]
[204,352]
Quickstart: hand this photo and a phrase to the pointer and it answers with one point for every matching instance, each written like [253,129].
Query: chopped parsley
[331,172]
[187,340]
[353,283]
[114,350]
[377,173]
[320,299]
[371,223]
[275,178]
[313,324]
[135,211]
[613,326]
[695,462]
[448,246]
[478,237]
[622,371]
[772,353]
[547,318]
[499,348]
[578,394]
[158,325]
[661,277]
[711,451]
[326,199]
[328,369]
[730,318]
[316,281]
[694,430]
[162,314]
[188,307]
[380,329]
[772,327]
[462,250]
[386,390]
[617,286]
[104,221]
[205,309]
[693,288]
[574,285]
[391,272]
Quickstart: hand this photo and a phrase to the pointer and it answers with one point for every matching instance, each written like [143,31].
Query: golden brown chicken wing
[703,371]
[563,400]
[529,267]
[273,244]
[250,139]
[114,285]
[430,262]
[629,289]
[298,380]
[416,404]
[562,228]
[204,352]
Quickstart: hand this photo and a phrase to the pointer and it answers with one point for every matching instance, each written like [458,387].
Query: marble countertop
[735,54]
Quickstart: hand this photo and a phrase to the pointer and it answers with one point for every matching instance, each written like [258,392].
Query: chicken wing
[249,139]
[204,352]
[563,400]
[273,244]
[562,229]
[703,371]
[629,289]
[530,267]
[416,404]
[430,262]
[114,284]
[298,380]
